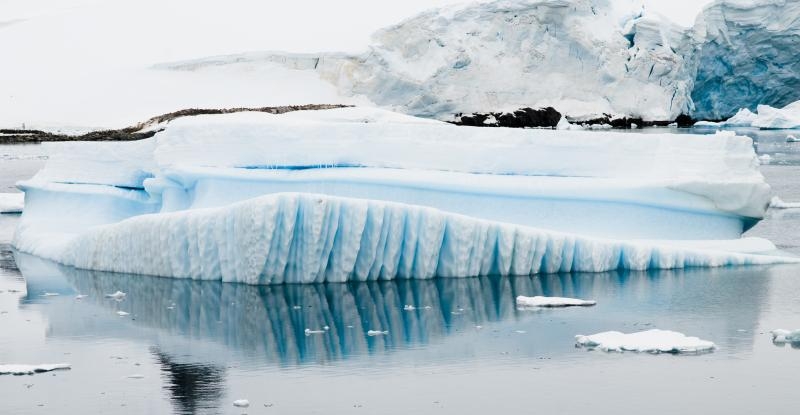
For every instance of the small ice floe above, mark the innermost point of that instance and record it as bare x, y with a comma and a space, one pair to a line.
31, 369
765, 158
783, 336
135, 376
241, 403
520, 331
12, 202
792, 139
326, 328
409, 307
80, 297
309, 332
50, 295
650, 341
777, 203
297, 307
539, 301
377, 333
122, 313
119, 295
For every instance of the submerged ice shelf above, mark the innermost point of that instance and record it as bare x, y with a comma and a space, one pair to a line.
363, 194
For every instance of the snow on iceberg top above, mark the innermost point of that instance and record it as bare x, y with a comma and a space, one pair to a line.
257, 140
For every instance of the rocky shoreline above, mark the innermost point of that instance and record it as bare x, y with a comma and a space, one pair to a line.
547, 117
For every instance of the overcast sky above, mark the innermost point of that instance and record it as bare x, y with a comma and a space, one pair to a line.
206, 27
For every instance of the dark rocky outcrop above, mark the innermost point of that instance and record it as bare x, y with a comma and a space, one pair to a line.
521, 118
9, 136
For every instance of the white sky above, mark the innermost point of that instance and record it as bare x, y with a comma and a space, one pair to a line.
311, 25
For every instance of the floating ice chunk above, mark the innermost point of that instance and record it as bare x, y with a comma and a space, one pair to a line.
651, 341
12, 202
31, 369
765, 158
778, 118
792, 139
409, 307
241, 403
377, 333
743, 118
123, 313
80, 297
119, 296
539, 301
309, 332
50, 295
781, 336
777, 203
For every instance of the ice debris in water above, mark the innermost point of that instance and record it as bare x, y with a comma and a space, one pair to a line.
539, 301
765, 158
50, 295
781, 336
309, 332
777, 203
12, 202
409, 307
31, 369
80, 296
122, 313
119, 296
792, 139
377, 333
241, 403
650, 341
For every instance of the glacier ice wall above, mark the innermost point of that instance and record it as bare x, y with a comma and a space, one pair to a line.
748, 56
306, 238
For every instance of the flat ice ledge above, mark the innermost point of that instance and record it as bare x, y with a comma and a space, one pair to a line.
307, 238
650, 341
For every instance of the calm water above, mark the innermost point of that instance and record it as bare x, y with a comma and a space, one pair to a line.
195, 347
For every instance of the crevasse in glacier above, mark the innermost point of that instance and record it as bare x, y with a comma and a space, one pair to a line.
359, 193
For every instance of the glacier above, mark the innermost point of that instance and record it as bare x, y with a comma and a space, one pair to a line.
746, 57
585, 58
362, 194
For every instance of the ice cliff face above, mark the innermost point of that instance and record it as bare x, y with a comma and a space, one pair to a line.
579, 56
748, 56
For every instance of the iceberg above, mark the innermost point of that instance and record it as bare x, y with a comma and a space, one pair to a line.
650, 341
364, 194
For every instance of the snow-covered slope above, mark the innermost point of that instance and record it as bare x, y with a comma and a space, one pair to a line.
354, 186
748, 56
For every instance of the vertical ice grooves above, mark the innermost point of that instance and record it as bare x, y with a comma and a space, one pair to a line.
304, 238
